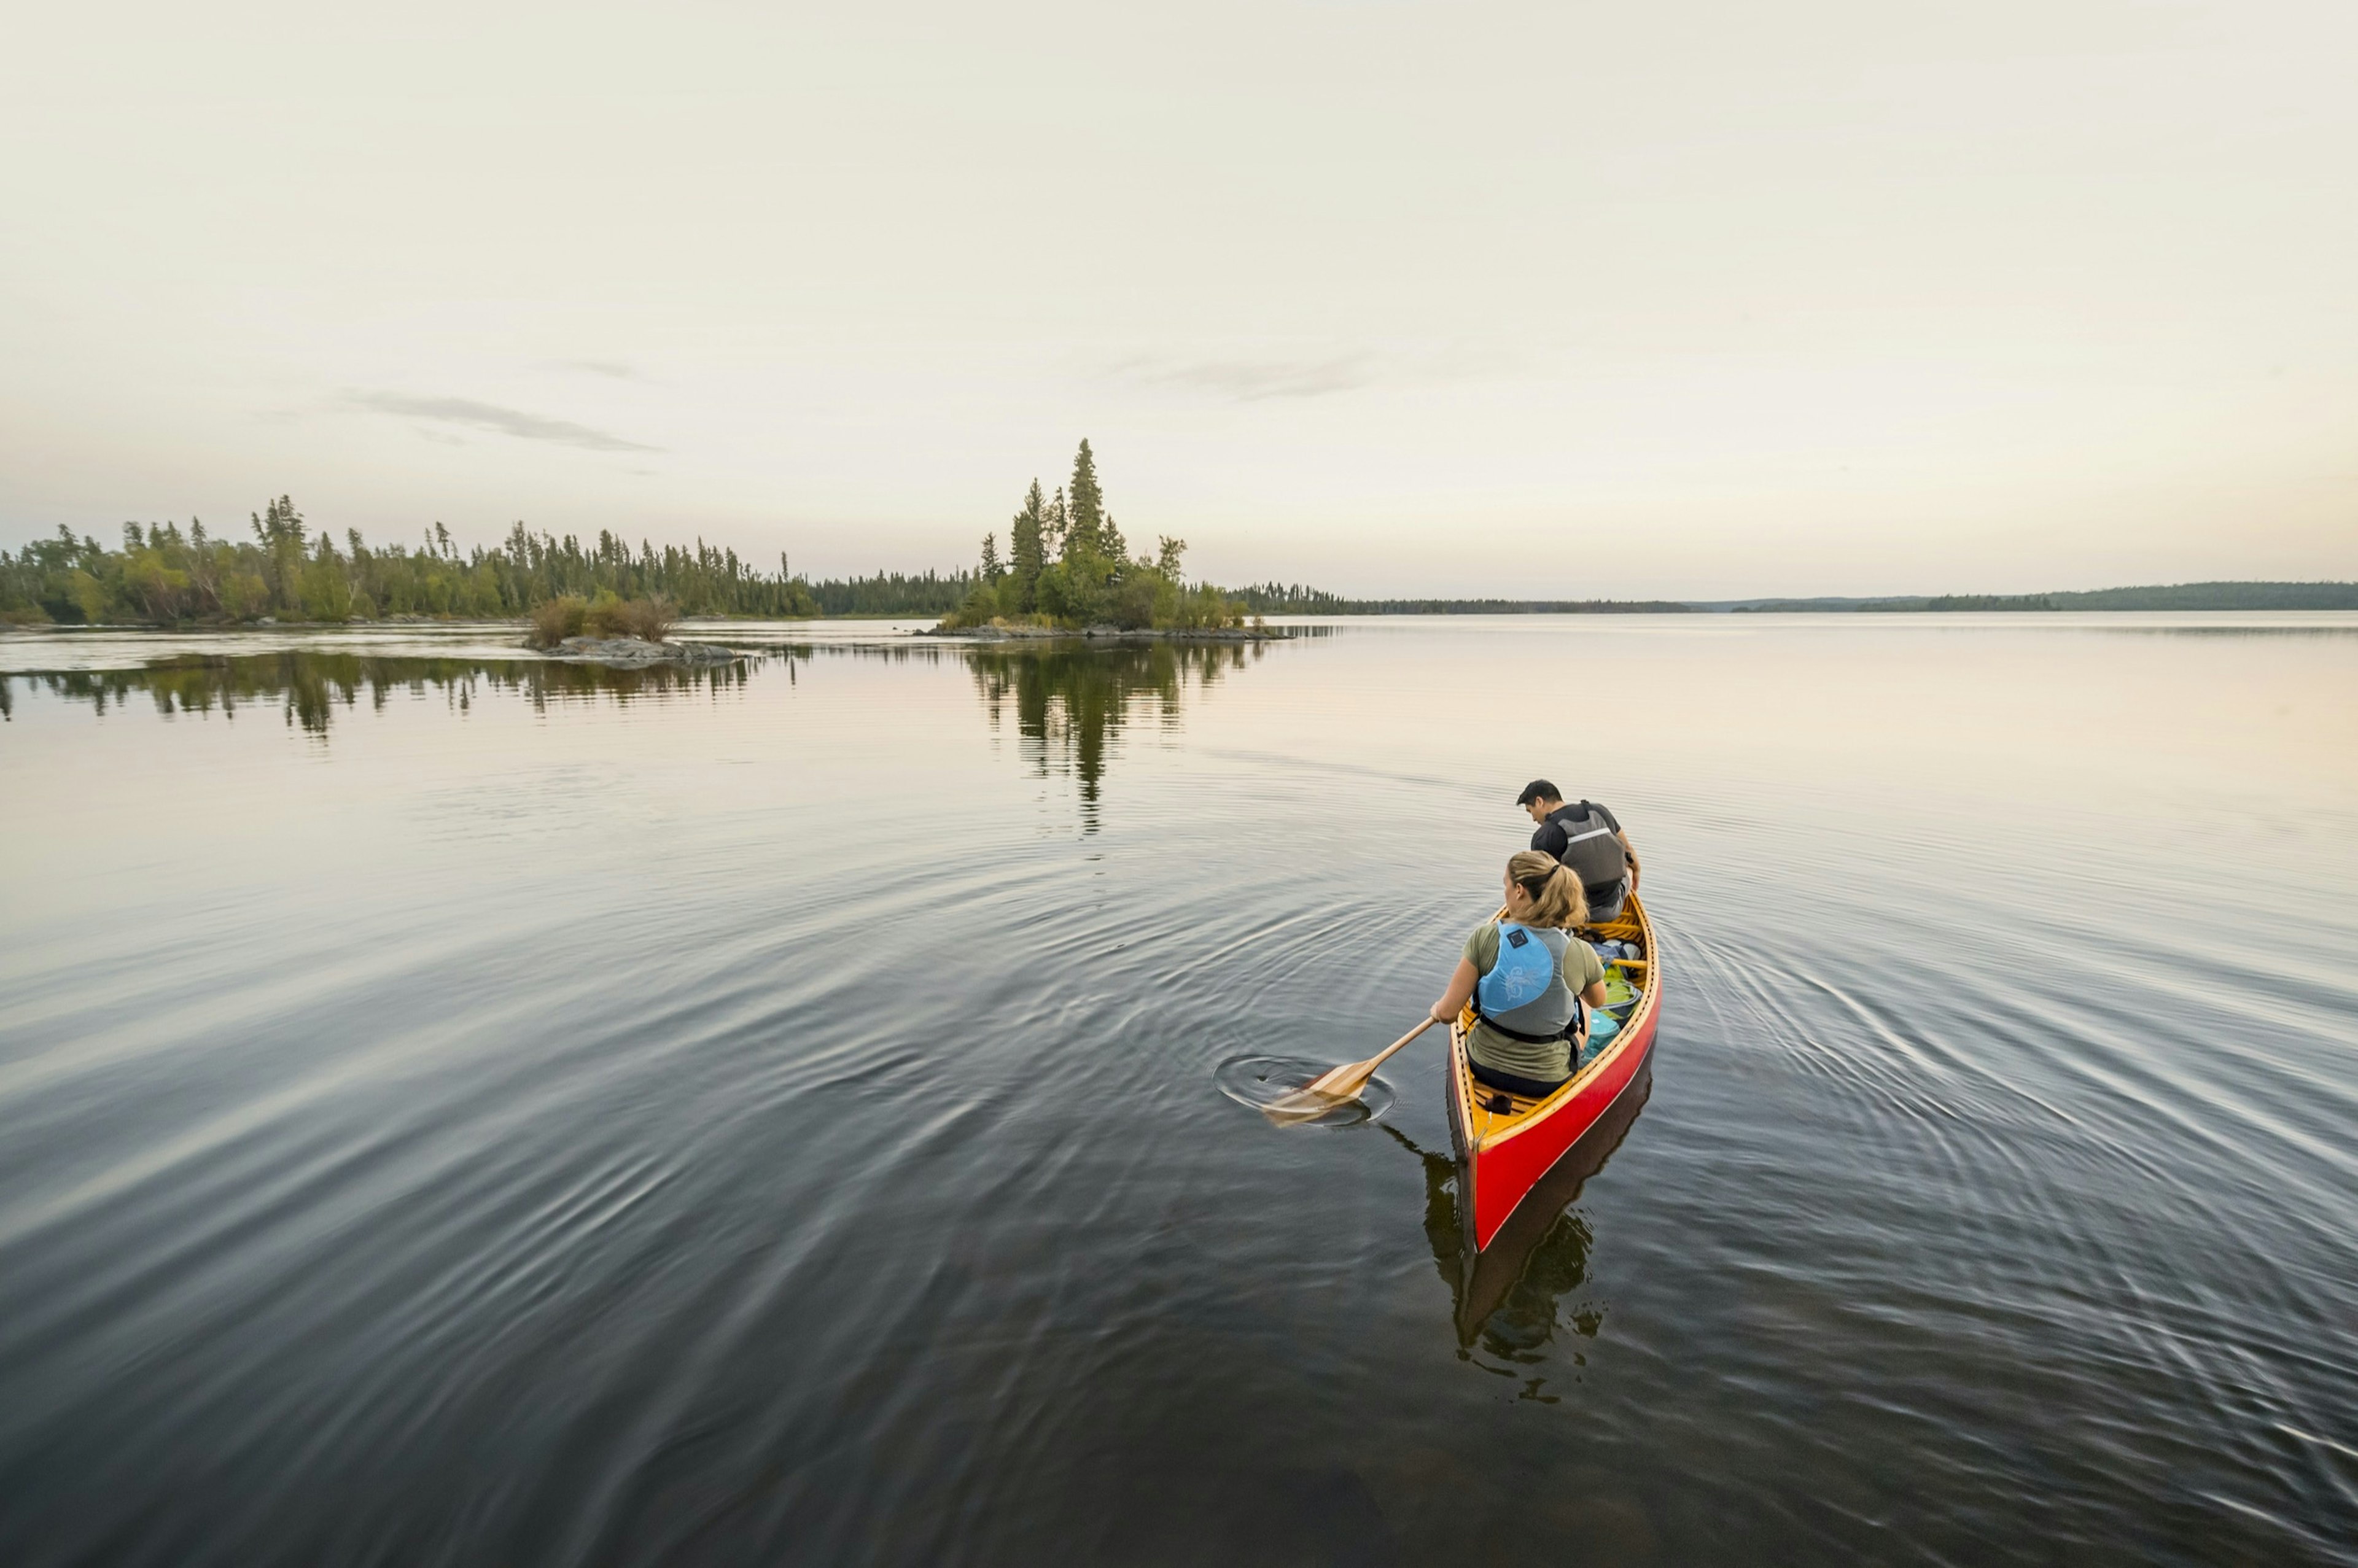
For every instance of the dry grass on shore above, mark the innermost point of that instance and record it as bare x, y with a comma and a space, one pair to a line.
650, 619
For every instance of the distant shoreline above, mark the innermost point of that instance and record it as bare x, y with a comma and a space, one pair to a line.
1107, 635
164, 575
1269, 599
2246, 597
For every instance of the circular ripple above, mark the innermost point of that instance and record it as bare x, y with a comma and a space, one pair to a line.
1261, 1082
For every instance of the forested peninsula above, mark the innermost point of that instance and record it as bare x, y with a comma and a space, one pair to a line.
166, 574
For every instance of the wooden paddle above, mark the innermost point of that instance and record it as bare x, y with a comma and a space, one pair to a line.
1332, 1087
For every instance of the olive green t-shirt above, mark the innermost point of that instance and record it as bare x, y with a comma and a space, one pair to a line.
1551, 1062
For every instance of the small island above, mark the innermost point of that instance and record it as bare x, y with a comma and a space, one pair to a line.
611, 630
1068, 572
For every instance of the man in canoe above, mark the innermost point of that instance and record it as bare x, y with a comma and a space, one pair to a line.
1527, 975
1586, 838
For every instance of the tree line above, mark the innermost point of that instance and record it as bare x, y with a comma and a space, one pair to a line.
165, 574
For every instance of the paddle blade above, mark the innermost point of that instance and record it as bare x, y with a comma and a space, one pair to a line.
1343, 1082
1302, 1106
1336, 1087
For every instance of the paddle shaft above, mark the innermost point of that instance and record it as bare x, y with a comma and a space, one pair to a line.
1378, 1060
1346, 1080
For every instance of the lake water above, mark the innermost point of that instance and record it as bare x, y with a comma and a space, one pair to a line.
455, 1108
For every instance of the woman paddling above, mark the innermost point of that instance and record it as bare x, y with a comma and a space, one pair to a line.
1527, 975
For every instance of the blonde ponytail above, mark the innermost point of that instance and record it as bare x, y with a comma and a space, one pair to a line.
1557, 897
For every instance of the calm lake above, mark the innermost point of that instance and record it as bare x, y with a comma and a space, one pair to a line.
457, 1109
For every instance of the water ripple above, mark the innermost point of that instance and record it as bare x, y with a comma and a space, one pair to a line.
770, 1121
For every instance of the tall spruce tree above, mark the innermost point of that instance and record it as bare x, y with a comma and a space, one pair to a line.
1026, 549
1055, 529
991, 570
1085, 513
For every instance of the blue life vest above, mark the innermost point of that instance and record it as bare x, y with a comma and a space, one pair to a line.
1524, 994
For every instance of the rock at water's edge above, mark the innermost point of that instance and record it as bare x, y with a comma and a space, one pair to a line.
638, 651
1106, 634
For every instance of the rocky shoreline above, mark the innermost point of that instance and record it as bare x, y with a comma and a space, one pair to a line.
635, 653
1113, 634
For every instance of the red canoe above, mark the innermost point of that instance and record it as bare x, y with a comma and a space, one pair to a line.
1506, 1143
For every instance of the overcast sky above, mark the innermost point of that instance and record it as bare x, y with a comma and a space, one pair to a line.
1684, 298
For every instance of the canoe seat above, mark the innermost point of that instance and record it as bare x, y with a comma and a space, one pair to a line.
1498, 1102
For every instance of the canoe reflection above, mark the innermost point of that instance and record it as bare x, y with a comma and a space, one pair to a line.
1507, 1296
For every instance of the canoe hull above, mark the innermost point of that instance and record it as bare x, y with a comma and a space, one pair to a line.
1503, 1157
1487, 1274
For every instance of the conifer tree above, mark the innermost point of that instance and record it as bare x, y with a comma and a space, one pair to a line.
991, 570
1085, 515
1026, 549
1057, 529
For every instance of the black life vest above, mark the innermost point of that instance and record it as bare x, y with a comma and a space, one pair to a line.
1592, 850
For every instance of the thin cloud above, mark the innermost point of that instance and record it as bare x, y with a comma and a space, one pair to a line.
1248, 378
1251, 381
469, 415
615, 370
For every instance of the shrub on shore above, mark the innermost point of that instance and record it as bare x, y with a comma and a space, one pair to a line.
609, 615
651, 620
555, 620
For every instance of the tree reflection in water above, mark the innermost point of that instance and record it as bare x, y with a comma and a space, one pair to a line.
310, 687
1071, 701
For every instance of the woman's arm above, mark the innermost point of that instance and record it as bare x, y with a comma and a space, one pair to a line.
1461, 990
1595, 995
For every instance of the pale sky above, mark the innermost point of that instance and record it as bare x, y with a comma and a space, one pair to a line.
1683, 299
